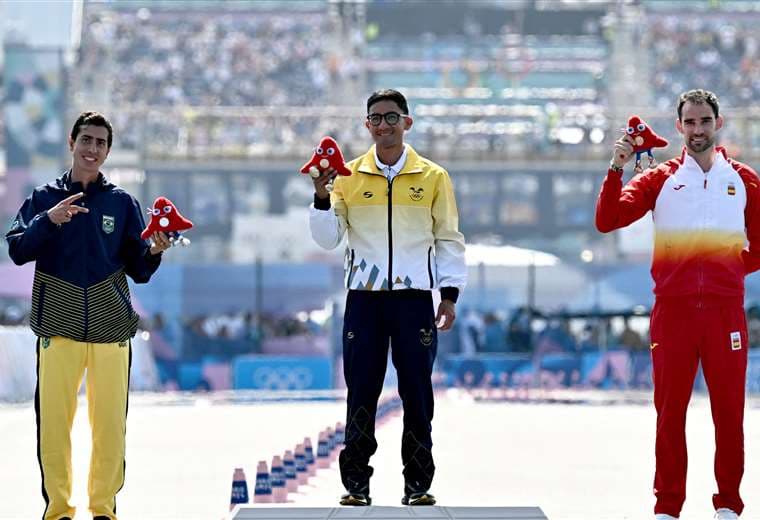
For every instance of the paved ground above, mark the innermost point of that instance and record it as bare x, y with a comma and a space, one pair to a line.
573, 461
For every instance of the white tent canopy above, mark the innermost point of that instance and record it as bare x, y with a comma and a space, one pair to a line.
507, 256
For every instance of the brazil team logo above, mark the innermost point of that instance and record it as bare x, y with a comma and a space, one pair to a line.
44, 342
108, 224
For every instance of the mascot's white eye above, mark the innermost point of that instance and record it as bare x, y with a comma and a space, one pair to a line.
320, 151
156, 211
641, 127
629, 129
331, 151
167, 209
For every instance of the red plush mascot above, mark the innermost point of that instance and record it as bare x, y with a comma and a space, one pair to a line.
165, 217
644, 139
326, 155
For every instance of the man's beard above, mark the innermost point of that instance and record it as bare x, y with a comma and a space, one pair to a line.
706, 144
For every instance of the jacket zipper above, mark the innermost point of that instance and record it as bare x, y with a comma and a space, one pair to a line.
390, 232
86, 312
87, 289
701, 261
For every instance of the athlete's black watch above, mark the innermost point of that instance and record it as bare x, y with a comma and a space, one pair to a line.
615, 168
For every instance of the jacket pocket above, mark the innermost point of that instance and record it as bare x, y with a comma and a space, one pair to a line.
123, 297
430, 268
41, 306
350, 268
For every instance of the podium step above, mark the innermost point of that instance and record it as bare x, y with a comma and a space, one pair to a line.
386, 513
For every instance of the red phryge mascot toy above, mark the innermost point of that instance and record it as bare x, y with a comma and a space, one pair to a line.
326, 155
165, 217
644, 140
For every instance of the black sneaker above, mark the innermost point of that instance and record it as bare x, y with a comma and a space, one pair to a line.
101, 517
418, 499
355, 499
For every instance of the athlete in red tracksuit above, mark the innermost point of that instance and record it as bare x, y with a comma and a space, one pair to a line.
706, 212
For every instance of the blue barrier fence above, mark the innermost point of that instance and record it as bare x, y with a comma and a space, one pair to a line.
605, 370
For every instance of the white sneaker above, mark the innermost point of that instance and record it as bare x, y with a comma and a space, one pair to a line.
663, 516
725, 514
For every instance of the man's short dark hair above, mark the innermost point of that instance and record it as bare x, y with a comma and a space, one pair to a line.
699, 96
389, 94
94, 119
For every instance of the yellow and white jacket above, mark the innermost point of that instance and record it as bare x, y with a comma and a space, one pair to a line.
402, 233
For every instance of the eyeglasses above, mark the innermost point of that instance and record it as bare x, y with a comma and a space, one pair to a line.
392, 118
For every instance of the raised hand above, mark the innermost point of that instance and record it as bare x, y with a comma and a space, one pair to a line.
320, 183
623, 151
65, 210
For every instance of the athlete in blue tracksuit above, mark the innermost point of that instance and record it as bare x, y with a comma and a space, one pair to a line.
84, 235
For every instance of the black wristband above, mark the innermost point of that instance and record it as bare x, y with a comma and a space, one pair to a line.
449, 293
320, 203
614, 168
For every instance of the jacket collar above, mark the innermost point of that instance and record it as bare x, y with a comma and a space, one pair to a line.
413, 163
721, 156
65, 182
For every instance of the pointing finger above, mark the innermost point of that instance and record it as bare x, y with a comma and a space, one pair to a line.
72, 198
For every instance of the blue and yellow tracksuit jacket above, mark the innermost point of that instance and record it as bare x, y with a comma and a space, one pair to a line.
80, 286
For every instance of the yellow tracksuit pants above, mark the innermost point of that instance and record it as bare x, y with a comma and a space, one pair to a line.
61, 363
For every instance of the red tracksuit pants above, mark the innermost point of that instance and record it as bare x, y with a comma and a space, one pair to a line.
685, 331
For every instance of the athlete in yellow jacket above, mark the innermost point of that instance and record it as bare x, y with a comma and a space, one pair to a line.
399, 212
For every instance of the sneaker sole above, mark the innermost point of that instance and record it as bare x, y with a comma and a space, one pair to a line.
424, 500
352, 501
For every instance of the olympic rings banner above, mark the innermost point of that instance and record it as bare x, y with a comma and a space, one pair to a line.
282, 372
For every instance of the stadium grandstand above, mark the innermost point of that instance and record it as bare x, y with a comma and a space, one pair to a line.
218, 104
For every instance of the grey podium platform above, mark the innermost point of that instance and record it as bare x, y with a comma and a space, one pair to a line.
387, 513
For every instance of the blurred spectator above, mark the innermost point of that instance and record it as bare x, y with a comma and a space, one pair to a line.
753, 325
164, 345
555, 338
520, 333
590, 337
495, 336
630, 339
471, 332
14, 312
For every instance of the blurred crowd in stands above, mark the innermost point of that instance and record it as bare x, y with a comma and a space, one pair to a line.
719, 52
530, 331
203, 58
501, 93
475, 332
495, 93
